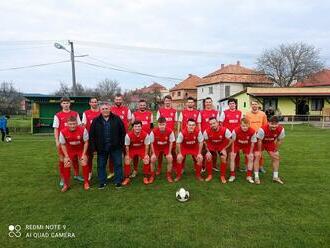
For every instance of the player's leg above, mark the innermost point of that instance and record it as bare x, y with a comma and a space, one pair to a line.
135, 166
169, 159
127, 168
209, 161
159, 164
90, 164
250, 158
85, 169
198, 162
223, 166
275, 157
173, 152
146, 168
61, 164
233, 155
75, 165
153, 159
257, 157
180, 160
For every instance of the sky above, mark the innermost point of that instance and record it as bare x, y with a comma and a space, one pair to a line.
168, 39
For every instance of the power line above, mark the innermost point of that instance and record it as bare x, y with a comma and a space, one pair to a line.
35, 65
129, 71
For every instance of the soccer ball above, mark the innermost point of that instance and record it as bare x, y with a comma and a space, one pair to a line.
182, 195
8, 139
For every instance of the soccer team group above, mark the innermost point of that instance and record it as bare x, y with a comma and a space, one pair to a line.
214, 140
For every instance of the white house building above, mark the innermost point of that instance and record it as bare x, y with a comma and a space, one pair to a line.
227, 81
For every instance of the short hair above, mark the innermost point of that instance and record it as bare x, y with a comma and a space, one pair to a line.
208, 98
65, 99
93, 97
119, 95
168, 97
142, 100
254, 100
232, 100
137, 122
190, 98
192, 120
72, 119
274, 119
245, 121
161, 119
212, 118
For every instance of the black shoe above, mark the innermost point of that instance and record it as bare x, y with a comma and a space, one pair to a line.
102, 186
118, 185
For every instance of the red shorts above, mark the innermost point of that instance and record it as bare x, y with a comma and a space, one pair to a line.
74, 154
269, 147
246, 149
185, 152
137, 153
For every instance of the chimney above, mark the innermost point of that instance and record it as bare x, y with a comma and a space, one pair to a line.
222, 66
238, 63
190, 75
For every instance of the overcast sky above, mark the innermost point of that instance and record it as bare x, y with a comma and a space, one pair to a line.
119, 34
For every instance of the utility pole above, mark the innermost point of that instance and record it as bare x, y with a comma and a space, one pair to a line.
74, 83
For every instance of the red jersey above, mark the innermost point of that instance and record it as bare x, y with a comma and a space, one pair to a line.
170, 115
137, 143
161, 140
145, 117
217, 140
60, 119
123, 112
205, 117
243, 140
88, 117
190, 141
231, 119
186, 114
269, 137
73, 140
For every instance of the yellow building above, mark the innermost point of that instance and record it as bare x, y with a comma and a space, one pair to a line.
287, 102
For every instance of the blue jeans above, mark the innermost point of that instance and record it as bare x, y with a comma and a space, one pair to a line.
102, 158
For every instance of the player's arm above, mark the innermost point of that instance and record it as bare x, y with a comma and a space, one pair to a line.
253, 142
222, 117
129, 116
199, 121
260, 136
200, 142
206, 137
179, 140
147, 144
180, 122
280, 139
84, 120
86, 141
127, 144
228, 137
62, 142
56, 125
171, 139
152, 139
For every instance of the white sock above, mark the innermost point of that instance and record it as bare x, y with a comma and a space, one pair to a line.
256, 174
275, 174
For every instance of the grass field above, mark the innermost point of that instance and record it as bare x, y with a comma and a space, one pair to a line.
296, 214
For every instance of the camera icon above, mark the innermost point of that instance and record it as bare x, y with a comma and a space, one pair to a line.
14, 231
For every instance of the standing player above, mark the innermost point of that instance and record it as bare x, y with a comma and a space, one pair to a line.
257, 119
207, 113
189, 113
171, 117
60, 122
87, 119
146, 118
270, 138
161, 142
231, 119
217, 141
190, 142
244, 138
74, 145
125, 115
137, 144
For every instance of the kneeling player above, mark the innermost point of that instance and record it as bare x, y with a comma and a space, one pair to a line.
161, 142
137, 144
216, 140
74, 144
270, 137
190, 142
244, 138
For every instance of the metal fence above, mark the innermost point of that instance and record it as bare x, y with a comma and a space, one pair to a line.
321, 121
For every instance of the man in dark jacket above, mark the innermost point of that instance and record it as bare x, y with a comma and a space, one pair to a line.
107, 138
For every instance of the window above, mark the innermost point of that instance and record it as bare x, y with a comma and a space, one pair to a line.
317, 104
227, 90
179, 93
211, 90
270, 102
173, 94
202, 89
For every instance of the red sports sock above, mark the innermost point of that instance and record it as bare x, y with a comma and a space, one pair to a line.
110, 166
223, 168
127, 170
146, 169
135, 163
232, 173
152, 173
61, 169
262, 161
168, 174
179, 167
198, 169
249, 173
66, 174
85, 170
75, 167
209, 165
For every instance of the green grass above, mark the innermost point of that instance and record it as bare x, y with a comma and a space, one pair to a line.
296, 214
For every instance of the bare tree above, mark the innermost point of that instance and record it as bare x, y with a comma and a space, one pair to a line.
288, 63
10, 98
64, 90
108, 88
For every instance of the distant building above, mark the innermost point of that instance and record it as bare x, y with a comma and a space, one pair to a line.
184, 89
318, 79
229, 80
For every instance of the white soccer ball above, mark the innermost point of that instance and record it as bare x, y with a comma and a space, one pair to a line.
8, 139
182, 195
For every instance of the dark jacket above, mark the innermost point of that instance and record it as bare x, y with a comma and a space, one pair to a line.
117, 133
